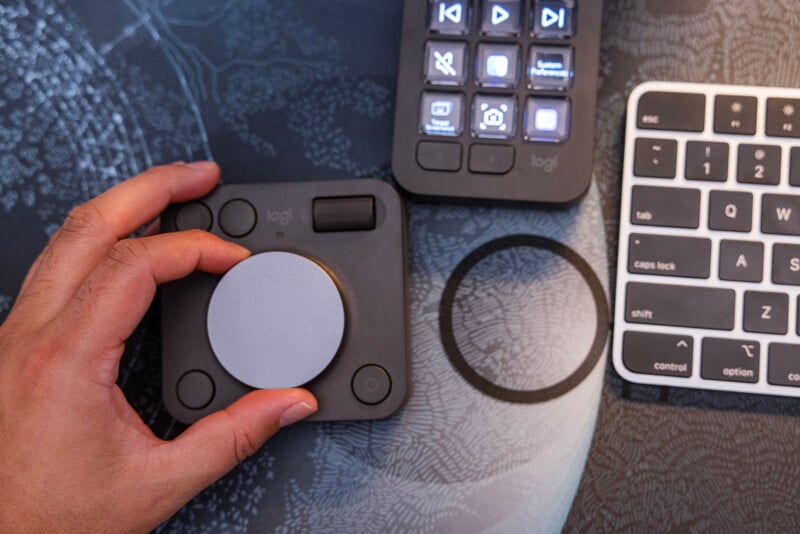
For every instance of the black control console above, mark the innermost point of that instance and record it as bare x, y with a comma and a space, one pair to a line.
320, 303
496, 99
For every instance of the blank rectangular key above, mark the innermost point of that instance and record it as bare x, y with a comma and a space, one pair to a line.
669, 255
670, 305
671, 111
665, 206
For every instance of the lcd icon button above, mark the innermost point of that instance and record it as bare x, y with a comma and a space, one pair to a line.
546, 120
552, 17
441, 108
499, 15
452, 13
497, 66
494, 117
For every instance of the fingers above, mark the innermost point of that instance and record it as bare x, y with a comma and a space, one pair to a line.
115, 296
215, 444
92, 229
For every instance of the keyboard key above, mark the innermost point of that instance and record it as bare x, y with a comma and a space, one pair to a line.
783, 364
655, 158
491, 159
669, 255
547, 119
672, 305
683, 112
497, 65
741, 261
735, 114
550, 67
657, 354
436, 156
786, 264
494, 117
441, 114
706, 161
767, 313
783, 117
731, 211
780, 214
445, 62
759, 164
553, 18
449, 16
665, 206
730, 359
501, 17
794, 166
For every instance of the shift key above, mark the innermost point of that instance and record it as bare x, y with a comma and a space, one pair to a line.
665, 206
672, 305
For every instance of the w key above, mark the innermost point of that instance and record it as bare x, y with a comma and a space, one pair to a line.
780, 214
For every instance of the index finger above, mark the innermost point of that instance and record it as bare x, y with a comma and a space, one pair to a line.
92, 229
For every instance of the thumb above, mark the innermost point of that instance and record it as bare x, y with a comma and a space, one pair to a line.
216, 443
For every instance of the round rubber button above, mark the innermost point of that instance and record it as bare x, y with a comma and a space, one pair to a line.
195, 389
193, 215
275, 320
237, 218
371, 384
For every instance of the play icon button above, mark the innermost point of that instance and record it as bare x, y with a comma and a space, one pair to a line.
500, 17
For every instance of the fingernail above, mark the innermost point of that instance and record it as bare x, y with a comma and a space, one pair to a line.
201, 165
240, 250
296, 412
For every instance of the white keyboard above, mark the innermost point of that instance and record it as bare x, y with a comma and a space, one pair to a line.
708, 272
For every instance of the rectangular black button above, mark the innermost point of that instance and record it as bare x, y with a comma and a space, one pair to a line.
741, 260
435, 156
794, 166
669, 255
657, 354
783, 365
684, 112
780, 214
730, 210
655, 158
491, 159
344, 214
783, 117
735, 114
706, 161
786, 264
665, 206
669, 305
759, 164
734, 360
767, 313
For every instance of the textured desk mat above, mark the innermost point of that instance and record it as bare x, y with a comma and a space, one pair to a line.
93, 92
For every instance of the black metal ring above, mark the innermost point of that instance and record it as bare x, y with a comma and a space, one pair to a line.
477, 380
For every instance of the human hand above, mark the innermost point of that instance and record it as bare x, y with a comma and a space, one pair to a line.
74, 455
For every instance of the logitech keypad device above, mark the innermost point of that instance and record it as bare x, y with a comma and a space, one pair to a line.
319, 304
496, 99
708, 273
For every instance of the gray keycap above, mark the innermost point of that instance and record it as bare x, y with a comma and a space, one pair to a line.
733, 360
655, 158
759, 164
780, 214
786, 264
767, 313
783, 365
669, 255
671, 305
742, 261
657, 354
665, 206
707, 161
731, 211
